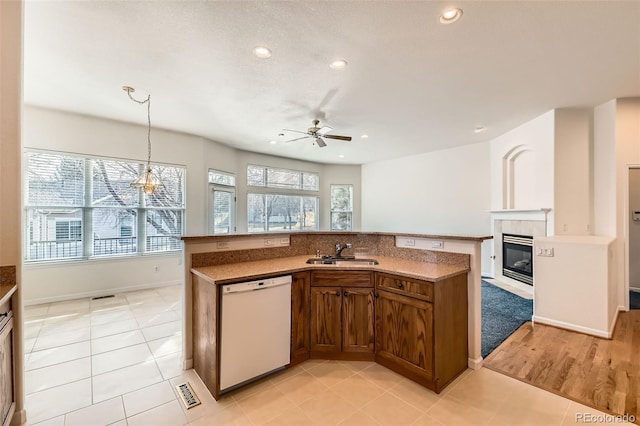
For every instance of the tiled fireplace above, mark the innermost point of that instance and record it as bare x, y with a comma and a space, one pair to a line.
513, 234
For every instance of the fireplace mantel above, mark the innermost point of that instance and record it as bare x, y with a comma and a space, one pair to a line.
520, 214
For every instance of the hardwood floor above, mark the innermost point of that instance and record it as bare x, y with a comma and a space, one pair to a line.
601, 373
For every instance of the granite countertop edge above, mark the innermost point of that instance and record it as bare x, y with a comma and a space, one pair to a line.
224, 274
201, 238
6, 291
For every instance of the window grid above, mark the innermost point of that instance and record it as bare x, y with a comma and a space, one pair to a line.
89, 200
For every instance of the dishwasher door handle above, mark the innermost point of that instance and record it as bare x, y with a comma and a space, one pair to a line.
255, 285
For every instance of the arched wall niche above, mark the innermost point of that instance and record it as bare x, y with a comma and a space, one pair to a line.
518, 178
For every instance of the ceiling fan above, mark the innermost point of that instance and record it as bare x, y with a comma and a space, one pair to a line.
318, 133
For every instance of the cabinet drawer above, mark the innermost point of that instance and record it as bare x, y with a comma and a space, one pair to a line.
341, 278
414, 288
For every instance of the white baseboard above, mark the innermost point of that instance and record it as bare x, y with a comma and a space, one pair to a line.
187, 364
101, 292
19, 418
475, 364
573, 327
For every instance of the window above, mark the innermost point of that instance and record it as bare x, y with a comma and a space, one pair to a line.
221, 178
78, 207
341, 207
278, 212
279, 202
222, 202
282, 178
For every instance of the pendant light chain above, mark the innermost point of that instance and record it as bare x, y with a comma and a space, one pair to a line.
148, 102
147, 181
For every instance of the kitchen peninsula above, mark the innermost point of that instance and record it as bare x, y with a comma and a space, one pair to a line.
348, 310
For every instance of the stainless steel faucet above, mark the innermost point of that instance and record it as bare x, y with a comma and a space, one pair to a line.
339, 248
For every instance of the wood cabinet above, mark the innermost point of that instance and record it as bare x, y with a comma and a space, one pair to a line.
421, 328
299, 317
7, 396
342, 315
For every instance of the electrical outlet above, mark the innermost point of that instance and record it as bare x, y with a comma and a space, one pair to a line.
437, 244
269, 241
223, 244
156, 268
410, 242
284, 240
545, 251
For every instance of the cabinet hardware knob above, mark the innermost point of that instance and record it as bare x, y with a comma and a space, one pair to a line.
337, 293
400, 285
375, 295
346, 294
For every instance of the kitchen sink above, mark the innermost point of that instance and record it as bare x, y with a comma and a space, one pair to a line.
341, 261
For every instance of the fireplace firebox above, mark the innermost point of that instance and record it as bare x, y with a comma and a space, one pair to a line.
517, 257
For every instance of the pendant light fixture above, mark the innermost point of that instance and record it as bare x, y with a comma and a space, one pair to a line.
148, 181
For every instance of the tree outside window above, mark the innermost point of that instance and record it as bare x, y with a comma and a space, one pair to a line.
341, 207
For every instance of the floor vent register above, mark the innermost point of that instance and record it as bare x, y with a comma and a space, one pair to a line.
189, 397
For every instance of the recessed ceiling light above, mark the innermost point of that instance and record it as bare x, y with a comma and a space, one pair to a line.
364, 136
273, 142
450, 16
338, 64
341, 155
262, 52
479, 129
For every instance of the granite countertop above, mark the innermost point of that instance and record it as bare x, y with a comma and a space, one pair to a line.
6, 291
221, 274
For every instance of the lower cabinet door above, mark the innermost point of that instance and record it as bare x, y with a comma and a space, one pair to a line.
358, 320
404, 334
325, 319
6, 372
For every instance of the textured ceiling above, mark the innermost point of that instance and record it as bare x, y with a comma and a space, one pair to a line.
412, 84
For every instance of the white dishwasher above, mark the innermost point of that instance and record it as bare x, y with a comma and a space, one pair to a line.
255, 334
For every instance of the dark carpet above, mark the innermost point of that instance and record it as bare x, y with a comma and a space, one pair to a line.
502, 314
634, 300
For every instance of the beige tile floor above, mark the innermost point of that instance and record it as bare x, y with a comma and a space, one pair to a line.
116, 362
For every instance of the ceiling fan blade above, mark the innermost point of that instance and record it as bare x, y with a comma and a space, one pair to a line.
324, 129
295, 131
297, 139
342, 138
320, 142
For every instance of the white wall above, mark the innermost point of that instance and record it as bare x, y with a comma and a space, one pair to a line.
573, 287
11, 31
441, 192
604, 169
572, 202
10, 101
72, 133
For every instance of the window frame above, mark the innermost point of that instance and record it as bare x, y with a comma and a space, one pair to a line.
348, 212
214, 187
89, 209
